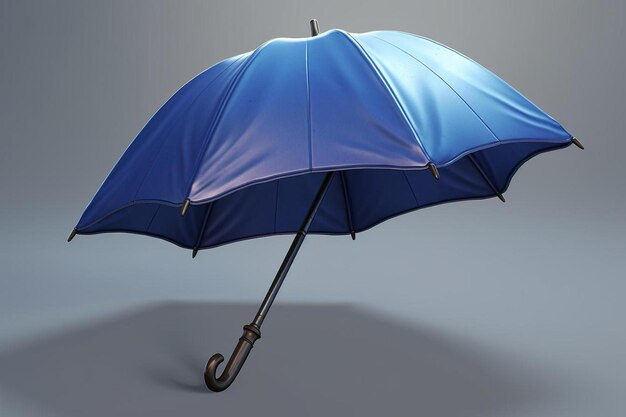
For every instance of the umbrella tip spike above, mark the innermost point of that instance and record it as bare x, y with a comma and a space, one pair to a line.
72, 234
576, 142
501, 197
353, 234
433, 170
315, 27
194, 253
185, 207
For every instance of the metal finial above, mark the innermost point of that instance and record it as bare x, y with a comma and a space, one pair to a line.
501, 197
433, 170
353, 234
185, 207
71, 236
315, 27
577, 143
194, 253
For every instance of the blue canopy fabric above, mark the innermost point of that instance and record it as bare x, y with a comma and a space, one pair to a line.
247, 141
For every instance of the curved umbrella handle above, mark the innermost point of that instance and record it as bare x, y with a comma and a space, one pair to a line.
251, 333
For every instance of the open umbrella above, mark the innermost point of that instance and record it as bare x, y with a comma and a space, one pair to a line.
331, 134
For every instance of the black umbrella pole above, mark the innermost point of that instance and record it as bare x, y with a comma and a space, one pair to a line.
252, 331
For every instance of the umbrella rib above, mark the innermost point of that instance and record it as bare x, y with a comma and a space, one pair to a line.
406, 177
347, 201
485, 177
382, 80
276, 203
205, 222
152, 218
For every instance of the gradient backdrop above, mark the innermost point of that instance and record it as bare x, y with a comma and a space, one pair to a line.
535, 285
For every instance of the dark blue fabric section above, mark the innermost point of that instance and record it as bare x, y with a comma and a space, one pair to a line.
497, 160
158, 163
280, 206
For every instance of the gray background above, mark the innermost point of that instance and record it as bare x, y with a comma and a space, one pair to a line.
472, 308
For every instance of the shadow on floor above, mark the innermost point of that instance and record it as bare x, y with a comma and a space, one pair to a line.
312, 360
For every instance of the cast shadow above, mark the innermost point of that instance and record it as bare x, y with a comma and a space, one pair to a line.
312, 360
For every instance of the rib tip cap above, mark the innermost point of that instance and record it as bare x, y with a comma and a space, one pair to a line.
72, 234
576, 142
315, 27
185, 207
433, 170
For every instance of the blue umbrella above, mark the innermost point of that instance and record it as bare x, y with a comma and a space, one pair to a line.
330, 134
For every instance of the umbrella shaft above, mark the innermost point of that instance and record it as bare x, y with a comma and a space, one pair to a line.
292, 252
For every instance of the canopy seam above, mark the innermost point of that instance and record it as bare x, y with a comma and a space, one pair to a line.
162, 144
224, 103
308, 99
487, 70
380, 77
446, 83
276, 203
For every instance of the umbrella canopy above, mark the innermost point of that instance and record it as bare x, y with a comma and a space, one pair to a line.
242, 148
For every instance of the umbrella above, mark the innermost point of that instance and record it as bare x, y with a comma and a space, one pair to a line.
330, 134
